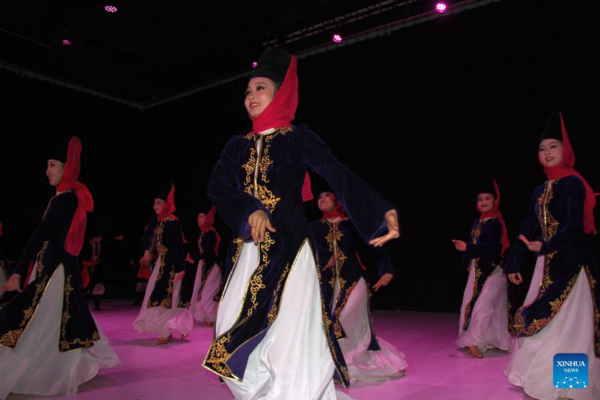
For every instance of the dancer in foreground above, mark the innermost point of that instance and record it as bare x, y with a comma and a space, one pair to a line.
161, 310
483, 314
49, 341
274, 336
368, 357
561, 313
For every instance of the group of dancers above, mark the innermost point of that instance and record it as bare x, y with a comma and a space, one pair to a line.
291, 301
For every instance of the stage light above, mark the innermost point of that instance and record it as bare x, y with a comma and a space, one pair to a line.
441, 7
337, 38
66, 42
111, 9
254, 64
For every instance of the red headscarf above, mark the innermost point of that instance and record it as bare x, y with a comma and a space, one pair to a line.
169, 207
208, 226
337, 210
69, 181
495, 213
566, 168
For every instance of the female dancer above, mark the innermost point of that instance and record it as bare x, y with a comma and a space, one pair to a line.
161, 310
367, 356
48, 322
561, 313
483, 320
274, 337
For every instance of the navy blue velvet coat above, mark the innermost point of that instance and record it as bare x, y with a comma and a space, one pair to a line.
275, 175
165, 240
77, 328
6, 268
208, 240
484, 249
342, 239
556, 219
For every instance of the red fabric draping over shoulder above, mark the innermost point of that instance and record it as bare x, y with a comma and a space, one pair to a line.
337, 211
566, 168
69, 181
495, 213
169, 207
208, 226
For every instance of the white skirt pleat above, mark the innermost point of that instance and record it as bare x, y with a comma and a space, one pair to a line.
570, 331
489, 318
205, 310
163, 320
364, 364
293, 360
36, 366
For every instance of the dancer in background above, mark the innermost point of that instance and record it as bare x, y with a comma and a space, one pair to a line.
6, 270
483, 314
49, 341
93, 270
161, 310
561, 313
274, 337
368, 357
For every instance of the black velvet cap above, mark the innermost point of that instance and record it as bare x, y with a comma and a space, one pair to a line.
553, 128
163, 191
60, 150
273, 64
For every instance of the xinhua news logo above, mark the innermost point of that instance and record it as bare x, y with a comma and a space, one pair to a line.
571, 371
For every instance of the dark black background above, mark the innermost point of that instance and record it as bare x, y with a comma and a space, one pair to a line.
420, 114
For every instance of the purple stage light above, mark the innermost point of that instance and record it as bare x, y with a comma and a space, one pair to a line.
337, 38
66, 42
254, 64
111, 9
441, 7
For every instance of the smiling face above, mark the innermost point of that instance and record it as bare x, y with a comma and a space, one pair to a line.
550, 153
259, 94
201, 219
54, 172
485, 202
327, 201
159, 204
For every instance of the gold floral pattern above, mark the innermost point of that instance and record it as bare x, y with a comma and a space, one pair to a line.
64, 344
216, 358
274, 309
548, 223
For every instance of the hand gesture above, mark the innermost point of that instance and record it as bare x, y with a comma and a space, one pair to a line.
146, 258
14, 283
383, 281
259, 222
189, 259
532, 246
460, 245
391, 217
178, 277
330, 263
517, 279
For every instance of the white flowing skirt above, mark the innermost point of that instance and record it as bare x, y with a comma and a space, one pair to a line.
570, 331
292, 361
36, 366
163, 320
205, 310
364, 364
489, 318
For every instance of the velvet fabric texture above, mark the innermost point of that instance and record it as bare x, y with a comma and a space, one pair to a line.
209, 241
165, 240
78, 329
485, 248
282, 166
555, 218
342, 238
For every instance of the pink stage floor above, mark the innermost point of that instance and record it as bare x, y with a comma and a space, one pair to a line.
436, 368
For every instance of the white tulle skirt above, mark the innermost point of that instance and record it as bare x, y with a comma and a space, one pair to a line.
364, 364
205, 310
489, 318
36, 366
570, 331
163, 321
292, 361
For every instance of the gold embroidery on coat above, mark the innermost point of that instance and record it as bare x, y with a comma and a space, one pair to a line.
548, 223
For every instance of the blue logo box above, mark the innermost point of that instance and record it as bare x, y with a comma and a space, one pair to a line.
571, 371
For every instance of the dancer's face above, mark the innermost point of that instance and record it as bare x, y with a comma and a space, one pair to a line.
159, 204
259, 94
201, 219
327, 201
485, 202
550, 153
54, 172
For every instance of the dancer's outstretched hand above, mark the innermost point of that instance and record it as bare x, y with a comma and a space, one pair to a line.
517, 279
383, 281
145, 260
14, 283
259, 222
330, 263
391, 217
460, 245
535, 246
178, 277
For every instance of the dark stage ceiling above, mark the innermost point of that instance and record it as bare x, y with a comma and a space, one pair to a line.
149, 52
